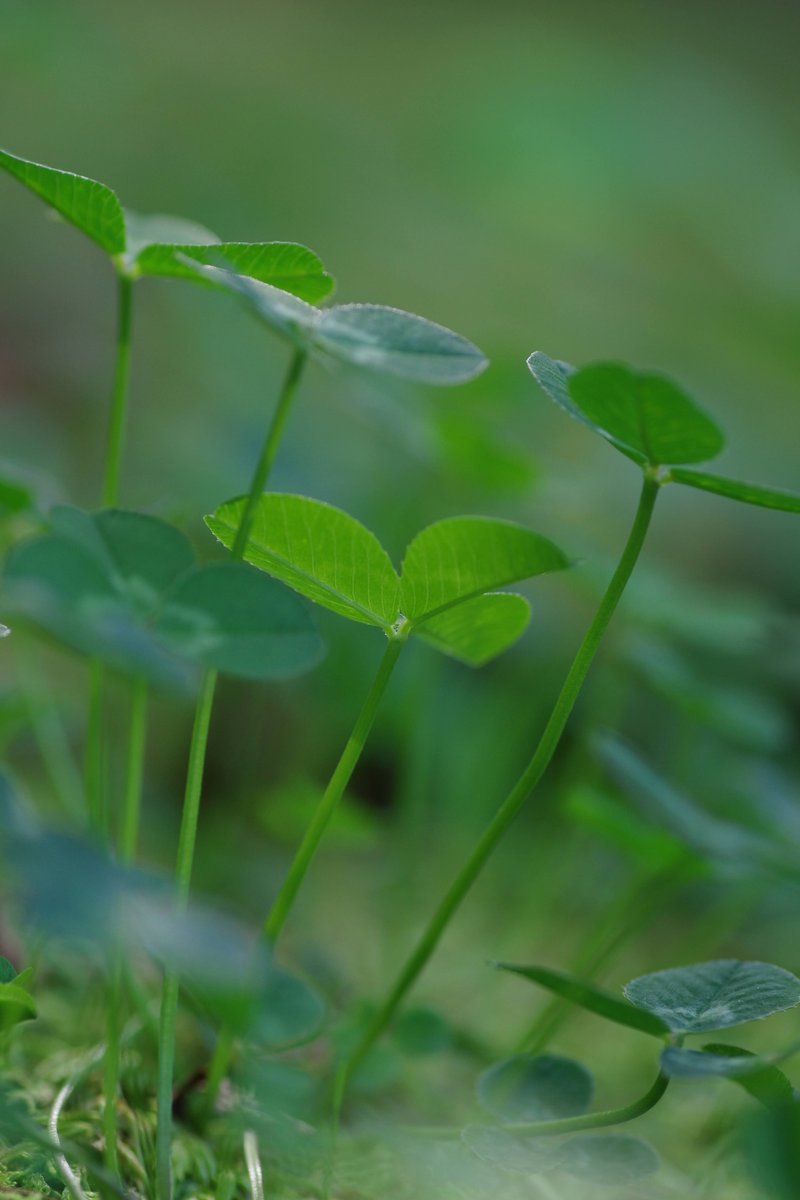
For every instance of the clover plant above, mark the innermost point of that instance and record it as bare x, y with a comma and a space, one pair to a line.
127, 593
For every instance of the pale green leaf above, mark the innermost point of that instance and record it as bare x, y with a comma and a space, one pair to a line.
609, 1158
643, 414
462, 557
160, 230
508, 1151
592, 998
15, 1005
738, 489
714, 995
319, 551
397, 343
90, 206
535, 1088
477, 630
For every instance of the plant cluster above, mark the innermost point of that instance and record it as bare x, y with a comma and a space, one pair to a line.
125, 591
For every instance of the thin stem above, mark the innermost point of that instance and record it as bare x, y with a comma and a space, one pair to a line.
525, 784
183, 875
134, 771
333, 792
194, 787
132, 800
119, 394
93, 764
269, 450
51, 735
599, 1120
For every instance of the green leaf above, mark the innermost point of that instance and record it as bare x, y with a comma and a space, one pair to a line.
162, 231
90, 206
288, 1011
287, 266
123, 586
609, 1158
461, 557
756, 1074
592, 998
397, 343
714, 995
231, 618
421, 1032
644, 415
477, 630
535, 1088
513, 1152
319, 551
15, 1005
737, 489
8, 971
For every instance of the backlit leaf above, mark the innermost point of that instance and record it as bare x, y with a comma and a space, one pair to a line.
477, 630
283, 265
319, 551
15, 1005
714, 995
462, 557
90, 206
592, 998
737, 489
535, 1088
643, 414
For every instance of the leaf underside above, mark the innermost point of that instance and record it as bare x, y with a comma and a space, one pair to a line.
477, 630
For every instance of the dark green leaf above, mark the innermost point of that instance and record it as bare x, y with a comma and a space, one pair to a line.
89, 205
319, 551
513, 1152
477, 630
462, 557
609, 1158
714, 995
8, 971
737, 489
422, 1031
234, 619
644, 415
535, 1088
587, 996
397, 343
758, 1075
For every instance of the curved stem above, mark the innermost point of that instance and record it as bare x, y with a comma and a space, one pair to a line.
333, 792
610, 1116
269, 450
526, 782
119, 394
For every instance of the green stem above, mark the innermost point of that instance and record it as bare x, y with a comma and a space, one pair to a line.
93, 765
194, 787
598, 1120
183, 875
269, 450
119, 394
333, 792
111, 1060
132, 799
51, 735
610, 1116
525, 784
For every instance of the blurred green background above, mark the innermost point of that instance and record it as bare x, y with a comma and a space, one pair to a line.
596, 181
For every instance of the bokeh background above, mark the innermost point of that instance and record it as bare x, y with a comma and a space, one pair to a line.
597, 181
